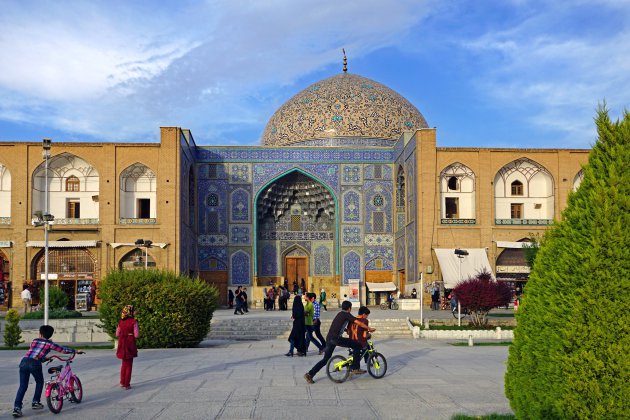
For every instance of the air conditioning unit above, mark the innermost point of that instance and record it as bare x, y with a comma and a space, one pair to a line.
537, 205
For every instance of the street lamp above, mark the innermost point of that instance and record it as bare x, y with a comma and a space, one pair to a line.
45, 219
461, 253
146, 244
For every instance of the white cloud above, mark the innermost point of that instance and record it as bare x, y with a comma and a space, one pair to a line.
117, 72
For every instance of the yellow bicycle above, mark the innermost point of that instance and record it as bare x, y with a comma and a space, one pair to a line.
338, 367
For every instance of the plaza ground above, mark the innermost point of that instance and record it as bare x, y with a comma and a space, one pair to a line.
242, 380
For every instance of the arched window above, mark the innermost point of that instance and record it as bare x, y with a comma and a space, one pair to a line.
457, 190
73, 183
517, 188
212, 200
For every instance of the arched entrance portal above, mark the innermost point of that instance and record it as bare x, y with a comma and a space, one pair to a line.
74, 269
296, 233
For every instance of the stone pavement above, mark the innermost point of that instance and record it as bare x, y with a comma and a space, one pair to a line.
243, 380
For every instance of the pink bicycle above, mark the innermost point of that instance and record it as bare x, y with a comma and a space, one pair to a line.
63, 384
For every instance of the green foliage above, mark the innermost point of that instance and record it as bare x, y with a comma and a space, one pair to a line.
531, 248
570, 358
12, 330
53, 314
172, 311
57, 298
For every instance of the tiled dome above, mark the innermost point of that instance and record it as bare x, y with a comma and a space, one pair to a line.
342, 106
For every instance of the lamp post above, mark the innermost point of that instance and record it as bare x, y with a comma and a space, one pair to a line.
45, 219
461, 253
146, 244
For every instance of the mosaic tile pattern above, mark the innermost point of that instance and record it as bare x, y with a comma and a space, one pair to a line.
211, 170
410, 235
349, 142
219, 254
239, 206
351, 207
327, 174
239, 235
342, 105
351, 266
240, 268
296, 155
322, 260
376, 239
351, 174
240, 173
269, 261
384, 254
400, 253
382, 223
212, 240
351, 235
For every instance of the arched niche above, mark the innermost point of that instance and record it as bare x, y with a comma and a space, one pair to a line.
138, 194
457, 194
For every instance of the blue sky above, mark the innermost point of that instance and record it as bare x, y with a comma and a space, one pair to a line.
504, 73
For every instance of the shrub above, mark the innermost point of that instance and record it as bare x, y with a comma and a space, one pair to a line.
12, 331
172, 311
480, 294
53, 314
57, 298
569, 358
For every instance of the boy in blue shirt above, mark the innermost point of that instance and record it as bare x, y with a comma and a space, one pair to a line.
31, 364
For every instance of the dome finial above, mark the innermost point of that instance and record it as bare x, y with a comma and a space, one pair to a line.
345, 61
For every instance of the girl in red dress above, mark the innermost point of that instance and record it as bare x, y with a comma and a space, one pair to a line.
127, 332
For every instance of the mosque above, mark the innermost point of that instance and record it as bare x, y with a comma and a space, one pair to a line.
348, 191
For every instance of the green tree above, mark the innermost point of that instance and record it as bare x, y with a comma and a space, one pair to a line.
569, 358
12, 330
172, 310
531, 248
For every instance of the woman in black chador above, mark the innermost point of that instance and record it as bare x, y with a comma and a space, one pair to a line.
296, 338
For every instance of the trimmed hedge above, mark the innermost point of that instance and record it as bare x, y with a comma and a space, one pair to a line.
569, 358
172, 310
53, 314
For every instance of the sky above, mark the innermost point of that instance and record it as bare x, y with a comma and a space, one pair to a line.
491, 73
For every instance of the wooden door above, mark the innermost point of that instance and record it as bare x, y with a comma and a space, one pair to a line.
296, 268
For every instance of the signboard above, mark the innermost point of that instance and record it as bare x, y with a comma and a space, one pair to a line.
353, 290
51, 276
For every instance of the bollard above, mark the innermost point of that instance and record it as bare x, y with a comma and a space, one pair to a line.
498, 332
470, 341
426, 324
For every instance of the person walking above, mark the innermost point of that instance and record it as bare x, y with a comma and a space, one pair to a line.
238, 301
230, 298
26, 298
244, 296
127, 332
296, 338
309, 316
334, 339
317, 322
295, 286
322, 299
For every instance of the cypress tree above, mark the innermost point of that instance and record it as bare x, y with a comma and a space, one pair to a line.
569, 358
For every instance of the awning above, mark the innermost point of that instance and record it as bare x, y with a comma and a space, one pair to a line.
62, 244
381, 287
119, 244
506, 244
455, 269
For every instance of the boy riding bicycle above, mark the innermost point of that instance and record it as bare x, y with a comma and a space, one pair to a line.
334, 339
360, 333
31, 364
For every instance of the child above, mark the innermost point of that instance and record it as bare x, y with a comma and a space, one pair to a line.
127, 332
360, 333
31, 364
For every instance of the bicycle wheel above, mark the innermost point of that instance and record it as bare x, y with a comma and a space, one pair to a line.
54, 399
377, 365
338, 369
76, 390
383, 305
462, 313
395, 306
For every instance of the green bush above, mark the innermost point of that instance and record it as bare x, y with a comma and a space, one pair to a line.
53, 314
569, 358
172, 311
57, 298
12, 330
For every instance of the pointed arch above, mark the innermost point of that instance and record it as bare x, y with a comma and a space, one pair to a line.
457, 194
577, 180
138, 193
136, 259
240, 268
351, 266
335, 209
5, 195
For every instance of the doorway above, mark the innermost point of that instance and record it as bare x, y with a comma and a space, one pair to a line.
401, 282
296, 269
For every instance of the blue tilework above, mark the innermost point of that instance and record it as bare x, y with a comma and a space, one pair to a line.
269, 261
351, 235
322, 260
297, 154
239, 206
351, 266
411, 253
351, 207
240, 268
400, 253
